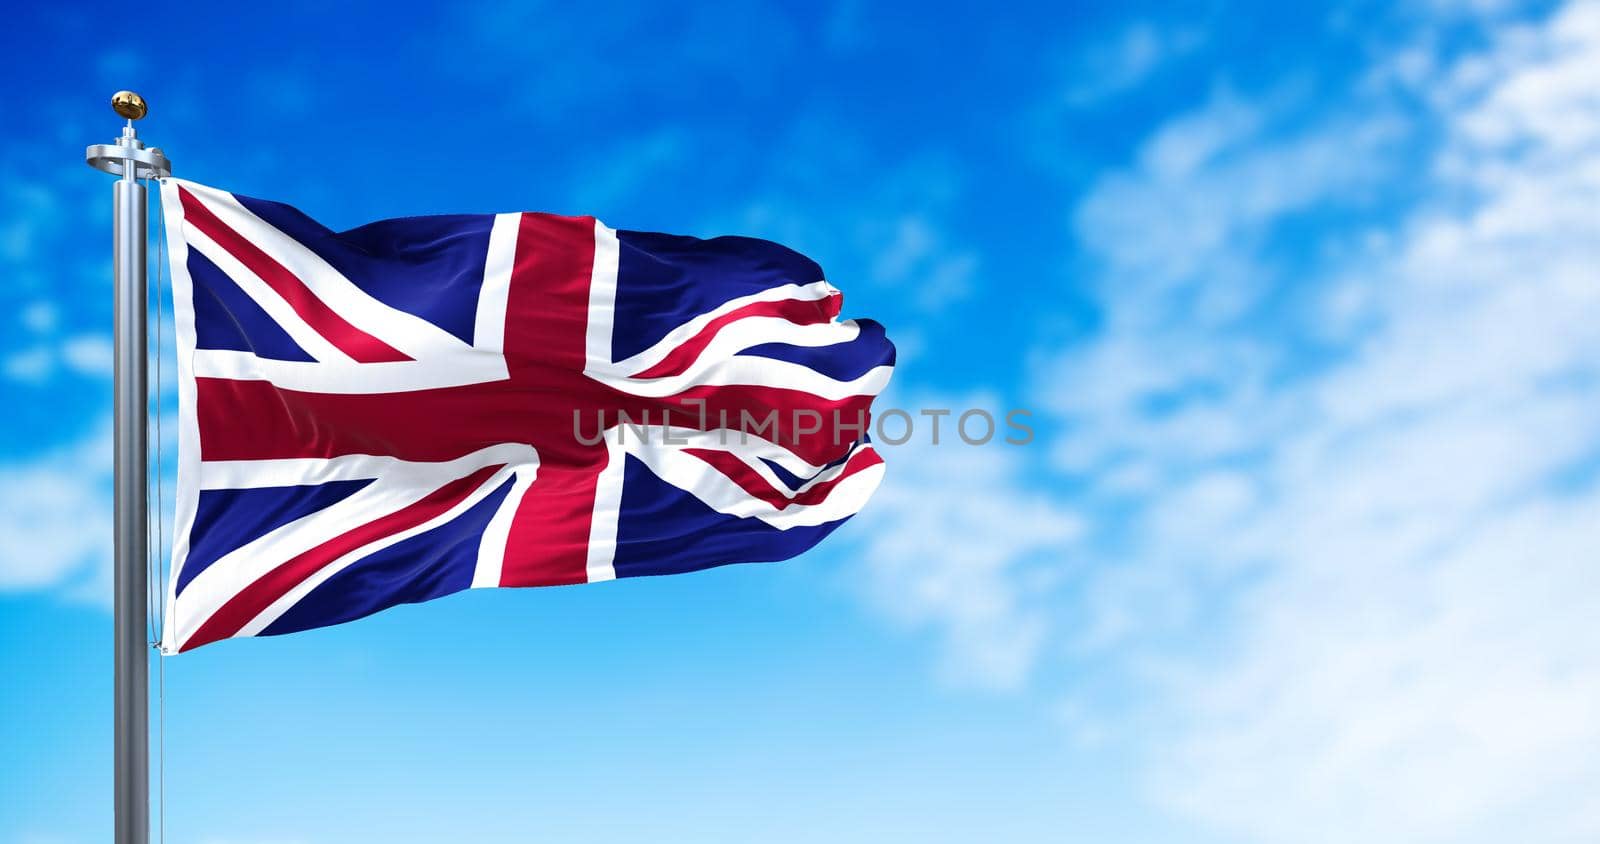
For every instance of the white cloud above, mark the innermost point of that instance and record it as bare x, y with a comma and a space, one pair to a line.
40, 317
31, 365
1195, 205
33, 212
958, 546
55, 517
1371, 508
89, 354
915, 254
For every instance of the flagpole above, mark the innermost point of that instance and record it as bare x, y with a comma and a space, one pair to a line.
131, 161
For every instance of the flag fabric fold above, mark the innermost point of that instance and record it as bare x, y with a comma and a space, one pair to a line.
422, 405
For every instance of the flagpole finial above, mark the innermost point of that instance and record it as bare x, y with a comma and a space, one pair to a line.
129, 105
128, 157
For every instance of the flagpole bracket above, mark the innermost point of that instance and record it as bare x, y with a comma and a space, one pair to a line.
128, 151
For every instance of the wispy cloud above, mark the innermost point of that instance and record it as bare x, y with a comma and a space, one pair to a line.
1123, 61
533, 51
1369, 509
962, 547
896, 228
55, 515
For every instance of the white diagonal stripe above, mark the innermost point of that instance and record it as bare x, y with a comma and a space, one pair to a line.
411, 335
751, 371
277, 608
262, 294
400, 485
719, 492
683, 333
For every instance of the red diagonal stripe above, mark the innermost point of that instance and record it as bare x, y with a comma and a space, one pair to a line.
349, 339
250, 601
798, 311
752, 482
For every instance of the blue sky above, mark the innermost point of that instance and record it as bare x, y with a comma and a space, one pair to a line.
1303, 300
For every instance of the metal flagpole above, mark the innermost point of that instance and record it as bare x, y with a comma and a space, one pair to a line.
129, 159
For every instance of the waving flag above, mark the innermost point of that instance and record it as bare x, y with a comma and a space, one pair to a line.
422, 405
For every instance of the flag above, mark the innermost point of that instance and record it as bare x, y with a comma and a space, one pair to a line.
422, 405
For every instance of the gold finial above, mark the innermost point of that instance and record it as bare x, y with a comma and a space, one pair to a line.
128, 104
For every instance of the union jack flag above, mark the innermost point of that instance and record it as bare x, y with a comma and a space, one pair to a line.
421, 405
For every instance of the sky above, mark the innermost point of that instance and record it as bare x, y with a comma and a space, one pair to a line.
1302, 300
